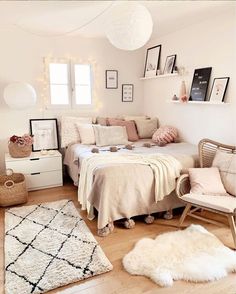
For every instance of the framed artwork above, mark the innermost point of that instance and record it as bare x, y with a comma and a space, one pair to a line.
111, 79
127, 92
170, 64
45, 132
218, 89
152, 62
200, 83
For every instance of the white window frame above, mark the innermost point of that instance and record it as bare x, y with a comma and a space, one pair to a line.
71, 86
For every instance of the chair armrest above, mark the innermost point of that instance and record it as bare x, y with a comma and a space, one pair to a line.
182, 185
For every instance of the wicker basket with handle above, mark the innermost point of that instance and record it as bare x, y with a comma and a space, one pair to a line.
13, 189
18, 151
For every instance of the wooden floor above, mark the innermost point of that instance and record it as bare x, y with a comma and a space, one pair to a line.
115, 246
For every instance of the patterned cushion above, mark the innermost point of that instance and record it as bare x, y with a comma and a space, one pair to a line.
130, 127
165, 135
226, 162
69, 131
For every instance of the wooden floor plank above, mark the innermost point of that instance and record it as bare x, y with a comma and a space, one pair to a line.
116, 245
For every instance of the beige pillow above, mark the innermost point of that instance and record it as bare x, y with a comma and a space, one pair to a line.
107, 136
226, 163
101, 121
69, 130
86, 133
146, 127
135, 117
206, 181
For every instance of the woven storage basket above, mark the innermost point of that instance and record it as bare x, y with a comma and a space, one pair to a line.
13, 189
17, 151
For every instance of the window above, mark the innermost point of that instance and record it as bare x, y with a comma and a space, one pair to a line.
70, 84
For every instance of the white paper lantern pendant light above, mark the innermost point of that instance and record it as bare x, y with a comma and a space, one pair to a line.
19, 95
130, 27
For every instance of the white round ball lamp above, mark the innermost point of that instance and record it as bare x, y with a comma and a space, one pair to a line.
130, 27
19, 95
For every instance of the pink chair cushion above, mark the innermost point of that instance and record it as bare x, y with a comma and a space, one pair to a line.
130, 127
165, 135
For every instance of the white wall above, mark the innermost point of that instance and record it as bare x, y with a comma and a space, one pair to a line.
210, 43
21, 59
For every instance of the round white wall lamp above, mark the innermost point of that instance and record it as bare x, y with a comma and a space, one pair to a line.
130, 26
19, 95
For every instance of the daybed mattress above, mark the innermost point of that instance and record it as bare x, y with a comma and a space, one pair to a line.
185, 152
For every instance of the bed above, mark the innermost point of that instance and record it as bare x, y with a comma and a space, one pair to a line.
132, 190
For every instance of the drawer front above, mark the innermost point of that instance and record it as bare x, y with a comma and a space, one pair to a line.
35, 165
44, 180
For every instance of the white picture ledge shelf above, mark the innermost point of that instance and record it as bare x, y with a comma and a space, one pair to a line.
199, 102
160, 76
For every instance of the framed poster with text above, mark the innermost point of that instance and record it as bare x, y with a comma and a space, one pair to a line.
200, 83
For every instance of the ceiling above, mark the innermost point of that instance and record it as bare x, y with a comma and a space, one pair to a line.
90, 18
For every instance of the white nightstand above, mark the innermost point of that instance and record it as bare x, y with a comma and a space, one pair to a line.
41, 171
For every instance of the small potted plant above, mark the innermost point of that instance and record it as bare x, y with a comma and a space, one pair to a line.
20, 146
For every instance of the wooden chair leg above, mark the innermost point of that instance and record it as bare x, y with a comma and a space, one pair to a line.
184, 214
232, 227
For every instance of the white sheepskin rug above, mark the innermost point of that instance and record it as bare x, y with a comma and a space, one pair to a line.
48, 246
193, 255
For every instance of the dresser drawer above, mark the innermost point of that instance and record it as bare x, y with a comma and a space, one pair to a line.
34, 165
44, 180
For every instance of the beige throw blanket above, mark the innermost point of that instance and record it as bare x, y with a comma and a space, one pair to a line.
165, 169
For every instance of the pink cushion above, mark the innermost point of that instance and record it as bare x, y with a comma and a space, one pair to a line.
206, 181
165, 135
130, 127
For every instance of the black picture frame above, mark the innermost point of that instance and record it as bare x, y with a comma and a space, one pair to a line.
45, 133
127, 92
152, 62
218, 91
200, 84
111, 77
169, 64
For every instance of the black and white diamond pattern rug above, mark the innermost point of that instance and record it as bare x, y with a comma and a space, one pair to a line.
48, 246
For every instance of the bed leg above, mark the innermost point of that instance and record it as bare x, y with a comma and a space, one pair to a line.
168, 214
149, 219
106, 230
129, 223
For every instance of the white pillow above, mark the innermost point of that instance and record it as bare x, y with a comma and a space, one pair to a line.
146, 127
69, 130
86, 133
107, 136
226, 163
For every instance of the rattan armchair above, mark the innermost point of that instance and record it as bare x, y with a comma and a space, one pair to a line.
207, 149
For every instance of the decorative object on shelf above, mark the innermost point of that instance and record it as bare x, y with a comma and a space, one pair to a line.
183, 93
169, 65
45, 132
12, 189
175, 71
127, 92
175, 98
152, 61
219, 88
20, 146
19, 95
200, 83
111, 79
130, 26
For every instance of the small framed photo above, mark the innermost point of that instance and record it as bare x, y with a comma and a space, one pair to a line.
152, 61
127, 92
170, 64
111, 79
45, 132
218, 89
